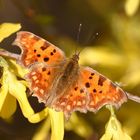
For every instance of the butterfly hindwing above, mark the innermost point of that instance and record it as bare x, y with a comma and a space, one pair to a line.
75, 99
41, 78
35, 49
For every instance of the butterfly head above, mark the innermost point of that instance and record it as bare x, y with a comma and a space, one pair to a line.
75, 57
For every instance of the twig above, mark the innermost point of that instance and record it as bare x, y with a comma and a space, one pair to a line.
9, 54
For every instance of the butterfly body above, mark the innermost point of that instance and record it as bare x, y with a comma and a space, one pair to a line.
60, 82
67, 75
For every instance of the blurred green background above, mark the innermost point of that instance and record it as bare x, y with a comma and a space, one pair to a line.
110, 43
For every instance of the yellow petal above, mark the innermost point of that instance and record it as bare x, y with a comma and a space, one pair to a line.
6, 29
37, 117
3, 89
131, 6
17, 69
18, 90
43, 131
114, 130
9, 107
7, 101
57, 124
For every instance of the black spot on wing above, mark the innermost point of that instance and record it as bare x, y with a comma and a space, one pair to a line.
75, 88
81, 91
51, 53
100, 91
48, 73
87, 85
92, 74
38, 55
45, 46
46, 59
94, 90
54, 50
90, 77
101, 80
43, 69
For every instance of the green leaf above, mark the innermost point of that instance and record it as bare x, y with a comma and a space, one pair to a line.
6, 29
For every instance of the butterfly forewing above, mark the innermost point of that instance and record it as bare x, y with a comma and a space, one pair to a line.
101, 90
35, 49
43, 60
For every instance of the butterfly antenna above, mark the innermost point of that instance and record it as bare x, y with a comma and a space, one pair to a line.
79, 31
133, 97
78, 37
93, 36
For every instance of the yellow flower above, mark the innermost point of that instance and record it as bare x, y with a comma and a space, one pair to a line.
13, 90
6, 29
114, 130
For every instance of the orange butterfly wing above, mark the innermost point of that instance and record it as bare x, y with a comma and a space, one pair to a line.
43, 60
91, 92
41, 78
101, 90
75, 99
35, 49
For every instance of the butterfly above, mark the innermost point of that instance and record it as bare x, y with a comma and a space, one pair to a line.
60, 82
